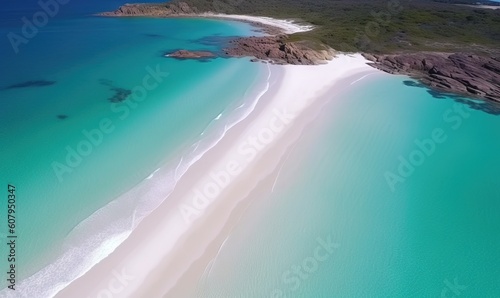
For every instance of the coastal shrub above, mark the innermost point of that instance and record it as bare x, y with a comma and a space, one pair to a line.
427, 25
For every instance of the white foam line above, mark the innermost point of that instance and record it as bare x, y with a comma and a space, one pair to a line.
177, 168
281, 167
207, 270
133, 220
354, 82
197, 145
214, 259
217, 254
152, 174
33, 283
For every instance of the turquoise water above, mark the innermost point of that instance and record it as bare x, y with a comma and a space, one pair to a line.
435, 235
84, 63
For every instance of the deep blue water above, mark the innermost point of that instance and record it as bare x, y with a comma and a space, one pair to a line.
71, 8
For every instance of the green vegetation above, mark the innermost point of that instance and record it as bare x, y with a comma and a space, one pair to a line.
379, 26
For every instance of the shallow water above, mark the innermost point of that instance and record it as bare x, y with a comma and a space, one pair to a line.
90, 108
334, 227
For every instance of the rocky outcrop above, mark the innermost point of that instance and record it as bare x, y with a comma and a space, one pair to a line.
274, 49
278, 50
154, 10
185, 54
460, 73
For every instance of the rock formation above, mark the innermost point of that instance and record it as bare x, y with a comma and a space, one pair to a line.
278, 50
273, 48
185, 54
460, 73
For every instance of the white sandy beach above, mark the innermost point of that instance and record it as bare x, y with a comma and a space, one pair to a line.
170, 250
481, 6
287, 26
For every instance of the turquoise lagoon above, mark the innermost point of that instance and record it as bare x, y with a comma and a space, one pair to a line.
332, 226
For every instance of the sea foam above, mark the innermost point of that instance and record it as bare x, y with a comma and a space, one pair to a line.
100, 234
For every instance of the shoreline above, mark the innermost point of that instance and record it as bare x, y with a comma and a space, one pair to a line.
480, 6
262, 178
458, 73
275, 46
269, 25
166, 257
457, 78
161, 235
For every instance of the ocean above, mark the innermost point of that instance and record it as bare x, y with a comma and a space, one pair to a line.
87, 164
397, 197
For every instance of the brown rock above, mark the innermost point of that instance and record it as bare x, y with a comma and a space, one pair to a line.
185, 54
460, 73
277, 50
